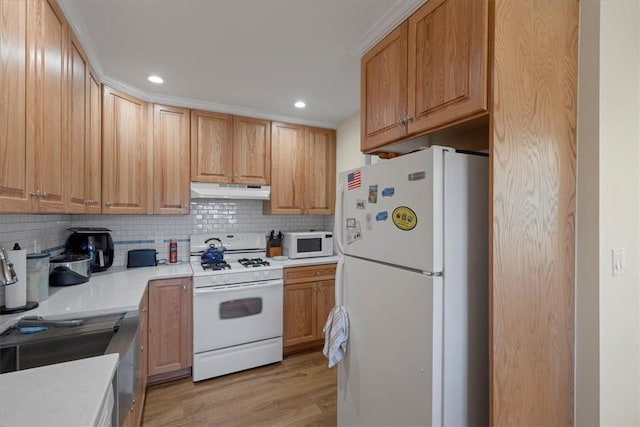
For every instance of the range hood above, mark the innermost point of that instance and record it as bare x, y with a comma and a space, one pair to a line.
204, 190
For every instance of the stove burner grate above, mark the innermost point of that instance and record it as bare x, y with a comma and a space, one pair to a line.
215, 266
253, 262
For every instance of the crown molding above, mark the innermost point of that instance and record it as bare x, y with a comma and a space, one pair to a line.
387, 23
198, 104
77, 25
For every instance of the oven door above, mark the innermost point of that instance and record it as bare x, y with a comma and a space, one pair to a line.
224, 316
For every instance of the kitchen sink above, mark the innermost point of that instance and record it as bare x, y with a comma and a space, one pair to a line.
57, 344
79, 338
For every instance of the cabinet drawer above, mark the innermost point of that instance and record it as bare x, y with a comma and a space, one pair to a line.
309, 273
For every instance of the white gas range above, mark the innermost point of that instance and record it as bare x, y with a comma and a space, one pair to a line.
237, 305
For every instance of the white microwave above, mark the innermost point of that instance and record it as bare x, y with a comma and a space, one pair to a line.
308, 244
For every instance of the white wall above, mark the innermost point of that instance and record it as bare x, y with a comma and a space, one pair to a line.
619, 207
608, 322
348, 155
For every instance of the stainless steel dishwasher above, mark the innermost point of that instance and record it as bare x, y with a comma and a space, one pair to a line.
79, 338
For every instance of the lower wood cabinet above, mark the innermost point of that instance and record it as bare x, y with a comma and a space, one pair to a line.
170, 329
309, 296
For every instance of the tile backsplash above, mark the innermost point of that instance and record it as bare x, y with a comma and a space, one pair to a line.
155, 231
49, 231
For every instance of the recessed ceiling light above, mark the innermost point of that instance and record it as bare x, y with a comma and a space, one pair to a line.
155, 79
299, 104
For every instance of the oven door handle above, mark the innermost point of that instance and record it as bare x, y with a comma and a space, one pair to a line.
234, 288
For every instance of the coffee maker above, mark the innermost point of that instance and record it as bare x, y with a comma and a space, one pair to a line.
93, 241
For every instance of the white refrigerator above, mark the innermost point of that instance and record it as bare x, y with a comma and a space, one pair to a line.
413, 235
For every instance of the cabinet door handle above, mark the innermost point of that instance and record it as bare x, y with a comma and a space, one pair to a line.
108, 204
36, 194
44, 195
408, 119
184, 287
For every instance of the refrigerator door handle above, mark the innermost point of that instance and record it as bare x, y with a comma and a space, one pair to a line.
339, 281
433, 273
338, 218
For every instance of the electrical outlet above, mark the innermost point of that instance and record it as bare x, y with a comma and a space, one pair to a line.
618, 261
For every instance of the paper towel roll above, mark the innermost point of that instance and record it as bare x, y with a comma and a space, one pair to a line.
16, 295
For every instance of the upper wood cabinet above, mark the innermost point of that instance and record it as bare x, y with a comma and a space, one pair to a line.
384, 90
251, 151
320, 170
287, 169
126, 154
302, 170
229, 149
171, 144
93, 147
84, 155
211, 149
50, 108
448, 61
429, 73
17, 162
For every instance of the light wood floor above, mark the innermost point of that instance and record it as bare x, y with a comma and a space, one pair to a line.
300, 391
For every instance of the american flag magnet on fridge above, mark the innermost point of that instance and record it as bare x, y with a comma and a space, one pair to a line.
353, 180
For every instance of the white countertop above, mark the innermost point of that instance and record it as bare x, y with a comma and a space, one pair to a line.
66, 394
70, 393
115, 290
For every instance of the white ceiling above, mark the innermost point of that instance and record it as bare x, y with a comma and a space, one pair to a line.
252, 57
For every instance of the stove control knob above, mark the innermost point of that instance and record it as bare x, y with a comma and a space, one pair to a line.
225, 279
256, 274
213, 280
266, 274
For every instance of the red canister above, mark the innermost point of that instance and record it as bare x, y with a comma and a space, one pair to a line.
173, 251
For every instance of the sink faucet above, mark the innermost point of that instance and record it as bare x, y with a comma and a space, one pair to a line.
7, 273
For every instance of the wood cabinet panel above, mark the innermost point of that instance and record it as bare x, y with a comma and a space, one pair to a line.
300, 313
384, 90
309, 273
78, 94
127, 154
309, 296
320, 171
170, 329
171, 148
326, 300
93, 147
287, 165
50, 107
533, 182
303, 168
251, 151
211, 148
448, 54
17, 168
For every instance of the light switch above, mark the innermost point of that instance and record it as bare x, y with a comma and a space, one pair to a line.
618, 261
